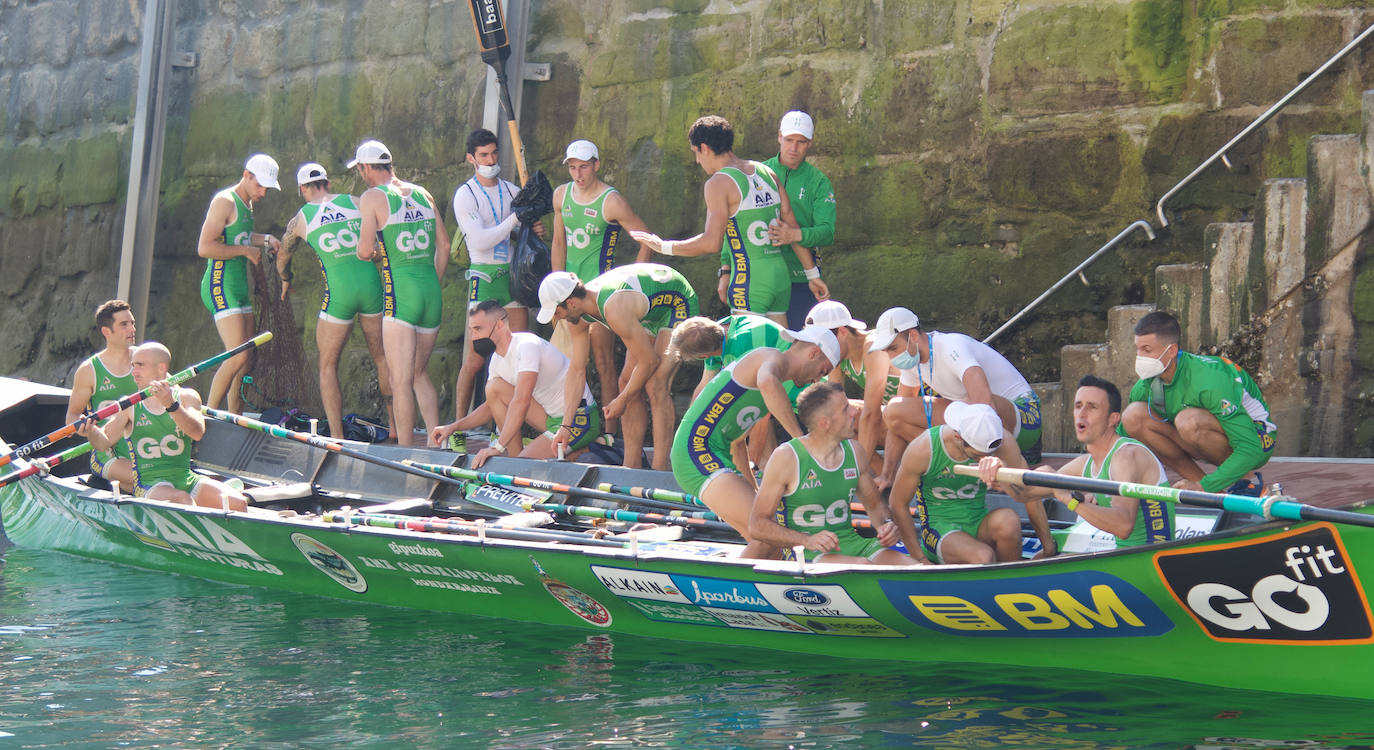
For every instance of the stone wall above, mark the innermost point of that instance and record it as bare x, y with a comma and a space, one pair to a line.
979, 149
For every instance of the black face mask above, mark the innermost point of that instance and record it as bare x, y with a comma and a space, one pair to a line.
484, 347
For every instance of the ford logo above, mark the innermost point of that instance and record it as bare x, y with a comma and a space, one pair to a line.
807, 596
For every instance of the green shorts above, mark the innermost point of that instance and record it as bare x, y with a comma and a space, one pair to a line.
668, 307
489, 281
758, 284
349, 290
586, 426
411, 294
694, 468
224, 287
947, 519
1028, 410
850, 544
187, 482
100, 460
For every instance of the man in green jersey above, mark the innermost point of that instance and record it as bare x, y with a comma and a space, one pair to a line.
1096, 414
717, 343
813, 204
956, 525
589, 220
640, 303
872, 371
742, 200
228, 244
525, 387
330, 225
159, 431
399, 222
805, 495
1189, 408
708, 457
106, 377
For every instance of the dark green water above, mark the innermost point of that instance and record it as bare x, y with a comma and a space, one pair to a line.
95, 655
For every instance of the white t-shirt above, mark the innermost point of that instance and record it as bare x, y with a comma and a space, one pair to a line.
953, 353
485, 217
529, 353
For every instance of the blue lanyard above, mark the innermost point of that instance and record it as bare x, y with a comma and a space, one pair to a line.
500, 197
930, 352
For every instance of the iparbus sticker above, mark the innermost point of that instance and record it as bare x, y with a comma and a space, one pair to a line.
1295, 587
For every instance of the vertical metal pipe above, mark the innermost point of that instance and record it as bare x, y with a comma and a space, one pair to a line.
145, 156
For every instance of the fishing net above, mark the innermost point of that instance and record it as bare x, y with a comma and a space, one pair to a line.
280, 373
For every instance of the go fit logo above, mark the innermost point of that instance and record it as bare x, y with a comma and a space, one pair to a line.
1296, 587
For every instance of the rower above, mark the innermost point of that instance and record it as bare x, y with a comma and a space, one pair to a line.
873, 372
104, 378
717, 343
708, 458
525, 387
158, 432
808, 485
1096, 414
956, 525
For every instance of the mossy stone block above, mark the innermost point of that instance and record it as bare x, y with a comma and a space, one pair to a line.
91, 169
794, 27
1258, 60
1074, 172
907, 27
927, 100
671, 47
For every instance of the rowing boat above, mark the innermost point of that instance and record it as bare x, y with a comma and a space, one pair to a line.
1277, 605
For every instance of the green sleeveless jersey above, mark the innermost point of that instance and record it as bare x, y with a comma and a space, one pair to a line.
236, 232
160, 450
894, 377
109, 388
1154, 520
719, 416
671, 297
759, 204
744, 334
943, 492
821, 499
332, 229
591, 239
410, 234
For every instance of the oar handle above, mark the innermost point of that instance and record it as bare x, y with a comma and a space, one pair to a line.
45, 464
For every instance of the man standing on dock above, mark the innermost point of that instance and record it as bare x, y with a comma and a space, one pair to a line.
399, 221
1189, 408
228, 244
813, 204
104, 378
743, 199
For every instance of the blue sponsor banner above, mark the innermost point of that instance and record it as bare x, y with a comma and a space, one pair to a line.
723, 593
1089, 604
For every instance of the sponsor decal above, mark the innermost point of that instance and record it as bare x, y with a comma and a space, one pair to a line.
864, 627
1294, 587
817, 601
1088, 604
574, 600
638, 584
443, 571
756, 620
330, 563
414, 549
194, 536
672, 612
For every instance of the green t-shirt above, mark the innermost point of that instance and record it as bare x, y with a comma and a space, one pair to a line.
161, 451
1230, 394
237, 232
591, 239
813, 204
332, 230
110, 388
946, 494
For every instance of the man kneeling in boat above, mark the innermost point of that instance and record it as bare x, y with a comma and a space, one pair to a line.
956, 526
811, 480
159, 431
1096, 413
525, 387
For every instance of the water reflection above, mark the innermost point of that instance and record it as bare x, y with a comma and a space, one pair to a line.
93, 655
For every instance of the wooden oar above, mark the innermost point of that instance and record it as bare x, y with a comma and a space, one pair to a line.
458, 526
507, 480
32, 447
631, 516
1274, 506
36, 465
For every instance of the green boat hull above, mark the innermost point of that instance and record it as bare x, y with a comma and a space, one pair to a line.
1277, 607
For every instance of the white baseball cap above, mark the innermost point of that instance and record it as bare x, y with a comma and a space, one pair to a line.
264, 168
831, 314
821, 337
582, 149
310, 172
797, 122
553, 290
977, 424
370, 152
891, 323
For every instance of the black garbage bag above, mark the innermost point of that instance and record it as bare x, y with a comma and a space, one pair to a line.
535, 199
530, 262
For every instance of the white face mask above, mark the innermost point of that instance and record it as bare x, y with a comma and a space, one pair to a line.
489, 171
1149, 367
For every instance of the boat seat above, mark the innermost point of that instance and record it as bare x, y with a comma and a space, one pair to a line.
404, 505
275, 493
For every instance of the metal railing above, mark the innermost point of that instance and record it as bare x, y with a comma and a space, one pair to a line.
1220, 155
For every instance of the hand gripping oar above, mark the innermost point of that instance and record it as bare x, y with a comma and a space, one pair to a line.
32, 447
36, 465
1272, 507
507, 480
631, 516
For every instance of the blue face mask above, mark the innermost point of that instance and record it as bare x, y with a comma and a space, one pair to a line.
906, 361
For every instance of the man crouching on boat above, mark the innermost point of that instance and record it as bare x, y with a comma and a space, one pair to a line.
810, 481
159, 431
956, 526
1096, 413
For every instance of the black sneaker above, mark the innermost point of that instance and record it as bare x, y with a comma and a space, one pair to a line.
1248, 487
